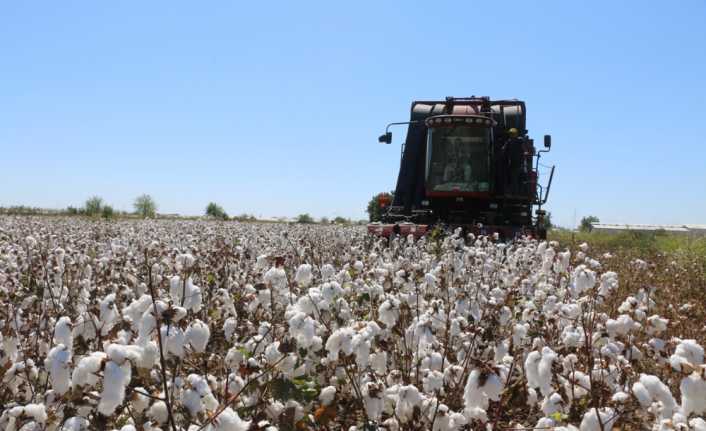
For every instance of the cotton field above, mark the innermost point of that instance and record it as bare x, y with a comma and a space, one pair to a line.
203, 325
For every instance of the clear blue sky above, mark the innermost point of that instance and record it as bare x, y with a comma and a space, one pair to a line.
275, 108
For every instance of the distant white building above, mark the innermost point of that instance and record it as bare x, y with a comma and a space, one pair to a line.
686, 229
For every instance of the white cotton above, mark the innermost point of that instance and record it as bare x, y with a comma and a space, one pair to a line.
115, 379
58, 364
198, 396
373, 400
75, 423
185, 261
149, 356
120, 353
593, 419
108, 314
327, 394
656, 391
302, 328
688, 352
197, 335
85, 373
341, 341
433, 381
228, 420
303, 276
620, 326
481, 387
327, 272
276, 278
185, 291
408, 399
389, 312
620, 397
137, 309
138, 401
37, 412
698, 424
174, 339
656, 325
158, 412
583, 279
544, 371
378, 362
63, 333
552, 404
229, 327
693, 394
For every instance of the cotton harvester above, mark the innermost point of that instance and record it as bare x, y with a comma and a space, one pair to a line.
469, 163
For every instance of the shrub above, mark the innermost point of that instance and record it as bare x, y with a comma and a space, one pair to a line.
305, 218
145, 206
93, 205
216, 211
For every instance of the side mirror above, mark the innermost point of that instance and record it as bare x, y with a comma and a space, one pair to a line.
386, 138
547, 141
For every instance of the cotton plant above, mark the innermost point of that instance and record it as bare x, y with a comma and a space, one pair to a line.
192, 325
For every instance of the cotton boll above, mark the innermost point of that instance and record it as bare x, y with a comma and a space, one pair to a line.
408, 399
137, 309
198, 396
138, 401
373, 400
303, 276
75, 423
327, 394
378, 362
693, 394
302, 328
197, 335
108, 314
688, 353
433, 382
58, 364
340, 341
698, 424
583, 279
389, 312
480, 388
620, 397
656, 325
544, 370
276, 278
591, 421
63, 334
115, 379
650, 388
85, 373
158, 412
175, 340
327, 272
229, 327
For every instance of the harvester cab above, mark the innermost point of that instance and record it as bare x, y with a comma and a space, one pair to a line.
466, 162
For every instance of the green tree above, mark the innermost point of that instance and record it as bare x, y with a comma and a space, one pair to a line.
107, 212
375, 211
216, 211
341, 220
324, 220
93, 205
587, 223
145, 206
548, 221
305, 218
